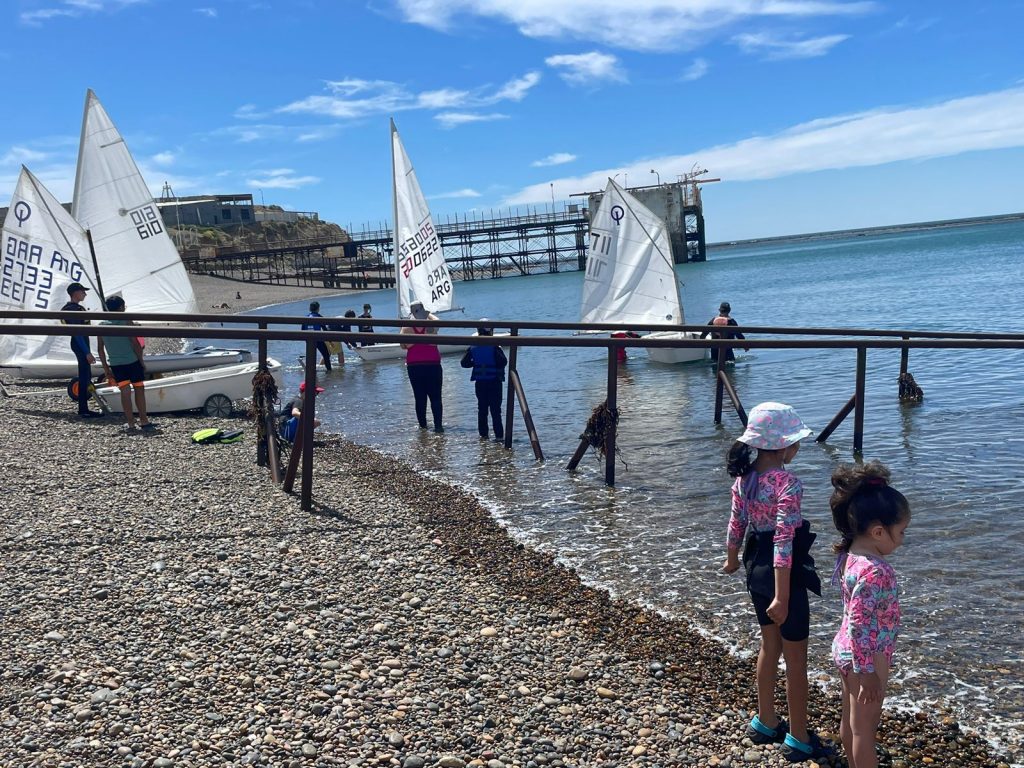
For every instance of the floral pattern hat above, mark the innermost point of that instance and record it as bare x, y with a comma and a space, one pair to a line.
774, 426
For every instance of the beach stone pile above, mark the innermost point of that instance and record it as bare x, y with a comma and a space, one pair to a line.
165, 605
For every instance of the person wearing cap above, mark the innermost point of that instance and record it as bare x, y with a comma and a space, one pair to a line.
723, 319
366, 327
488, 363
290, 428
423, 364
766, 524
80, 346
123, 362
321, 346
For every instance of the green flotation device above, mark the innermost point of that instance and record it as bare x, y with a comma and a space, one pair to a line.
214, 435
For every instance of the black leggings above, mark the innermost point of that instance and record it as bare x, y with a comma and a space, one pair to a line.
426, 384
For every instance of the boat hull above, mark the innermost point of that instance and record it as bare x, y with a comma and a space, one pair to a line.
192, 391
381, 352
675, 355
205, 357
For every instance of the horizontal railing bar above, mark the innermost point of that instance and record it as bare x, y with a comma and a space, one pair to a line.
156, 331
494, 323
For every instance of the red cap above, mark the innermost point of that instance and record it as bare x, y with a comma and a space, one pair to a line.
319, 389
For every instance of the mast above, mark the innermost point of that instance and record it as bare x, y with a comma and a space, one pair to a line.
394, 222
89, 96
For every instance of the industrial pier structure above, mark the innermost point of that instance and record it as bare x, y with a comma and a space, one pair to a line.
554, 240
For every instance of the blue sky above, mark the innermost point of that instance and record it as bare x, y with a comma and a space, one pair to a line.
816, 114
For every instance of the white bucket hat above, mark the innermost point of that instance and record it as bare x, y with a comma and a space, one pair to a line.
774, 426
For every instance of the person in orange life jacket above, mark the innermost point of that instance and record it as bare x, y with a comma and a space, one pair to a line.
620, 352
723, 319
290, 430
123, 362
321, 346
423, 364
80, 346
488, 364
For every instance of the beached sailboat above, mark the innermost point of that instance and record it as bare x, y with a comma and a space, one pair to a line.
630, 279
45, 250
421, 273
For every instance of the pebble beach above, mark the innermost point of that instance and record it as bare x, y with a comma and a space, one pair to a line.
165, 604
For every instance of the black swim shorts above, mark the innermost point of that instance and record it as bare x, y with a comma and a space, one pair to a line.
129, 372
797, 625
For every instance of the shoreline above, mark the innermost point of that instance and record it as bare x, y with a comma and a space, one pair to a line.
166, 605
213, 292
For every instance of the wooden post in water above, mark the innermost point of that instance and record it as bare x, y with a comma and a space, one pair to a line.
306, 433
612, 403
510, 410
837, 420
719, 386
293, 461
858, 413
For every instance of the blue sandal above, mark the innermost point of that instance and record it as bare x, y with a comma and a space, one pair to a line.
796, 751
759, 733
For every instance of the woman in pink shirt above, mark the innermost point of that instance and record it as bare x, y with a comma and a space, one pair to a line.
423, 364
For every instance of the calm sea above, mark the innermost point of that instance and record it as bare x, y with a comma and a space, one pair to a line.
657, 538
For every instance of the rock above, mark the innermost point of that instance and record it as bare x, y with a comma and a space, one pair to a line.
606, 693
451, 761
488, 632
579, 674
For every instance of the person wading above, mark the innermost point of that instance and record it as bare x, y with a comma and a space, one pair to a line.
423, 364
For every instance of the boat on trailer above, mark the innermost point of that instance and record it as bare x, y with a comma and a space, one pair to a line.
214, 391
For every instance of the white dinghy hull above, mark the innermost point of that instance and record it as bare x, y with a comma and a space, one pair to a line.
213, 390
205, 357
675, 355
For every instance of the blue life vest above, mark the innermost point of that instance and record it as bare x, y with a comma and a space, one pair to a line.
485, 364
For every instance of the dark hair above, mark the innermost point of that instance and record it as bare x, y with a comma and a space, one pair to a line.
314, 306
862, 497
115, 304
350, 313
740, 460
725, 307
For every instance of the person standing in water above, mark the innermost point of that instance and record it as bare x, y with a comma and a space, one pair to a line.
488, 363
366, 327
321, 346
723, 319
423, 364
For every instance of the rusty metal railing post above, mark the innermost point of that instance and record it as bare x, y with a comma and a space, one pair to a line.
510, 409
858, 413
293, 460
904, 357
524, 406
262, 353
308, 409
719, 386
612, 403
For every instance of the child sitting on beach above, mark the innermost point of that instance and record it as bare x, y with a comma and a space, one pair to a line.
872, 517
779, 569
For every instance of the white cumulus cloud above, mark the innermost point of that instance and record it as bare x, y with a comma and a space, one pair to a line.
456, 194
773, 47
587, 68
281, 178
455, 119
558, 158
696, 70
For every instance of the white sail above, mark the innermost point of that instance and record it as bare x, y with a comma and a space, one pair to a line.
136, 257
629, 278
44, 250
420, 270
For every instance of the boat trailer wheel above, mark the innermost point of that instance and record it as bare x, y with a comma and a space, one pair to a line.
73, 389
218, 405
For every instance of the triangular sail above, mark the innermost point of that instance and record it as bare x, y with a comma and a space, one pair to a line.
420, 270
629, 278
44, 250
135, 255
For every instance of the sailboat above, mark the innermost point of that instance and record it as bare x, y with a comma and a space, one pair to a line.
44, 251
421, 273
630, 278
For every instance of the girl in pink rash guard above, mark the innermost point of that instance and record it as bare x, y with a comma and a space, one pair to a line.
872, 518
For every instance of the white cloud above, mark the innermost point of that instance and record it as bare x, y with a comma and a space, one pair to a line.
886, 135
558, 158
772, 47
458, 193
249, 112
163, 158
281, 178
586, 68
19, 156
353, 98
642, 25
209, 12
455, 119
696, 70
74, 9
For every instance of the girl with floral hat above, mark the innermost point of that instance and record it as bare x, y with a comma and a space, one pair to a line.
872, 517
776, 541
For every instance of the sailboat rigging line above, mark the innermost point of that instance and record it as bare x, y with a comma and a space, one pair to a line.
96, 268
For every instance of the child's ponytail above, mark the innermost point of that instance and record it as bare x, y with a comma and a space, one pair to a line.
862, 496
739, 461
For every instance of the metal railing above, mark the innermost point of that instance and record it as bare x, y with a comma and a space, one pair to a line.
856, 339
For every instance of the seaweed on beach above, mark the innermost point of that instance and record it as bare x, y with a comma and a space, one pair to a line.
602, 420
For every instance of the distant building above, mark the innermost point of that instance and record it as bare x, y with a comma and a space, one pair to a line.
207, 210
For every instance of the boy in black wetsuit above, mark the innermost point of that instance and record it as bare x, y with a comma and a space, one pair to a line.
80, 346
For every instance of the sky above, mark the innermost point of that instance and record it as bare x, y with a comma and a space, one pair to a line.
815, 114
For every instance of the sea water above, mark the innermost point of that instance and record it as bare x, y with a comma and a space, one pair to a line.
657, 538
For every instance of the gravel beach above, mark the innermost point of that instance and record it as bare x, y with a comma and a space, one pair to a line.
213, 292
164, 604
